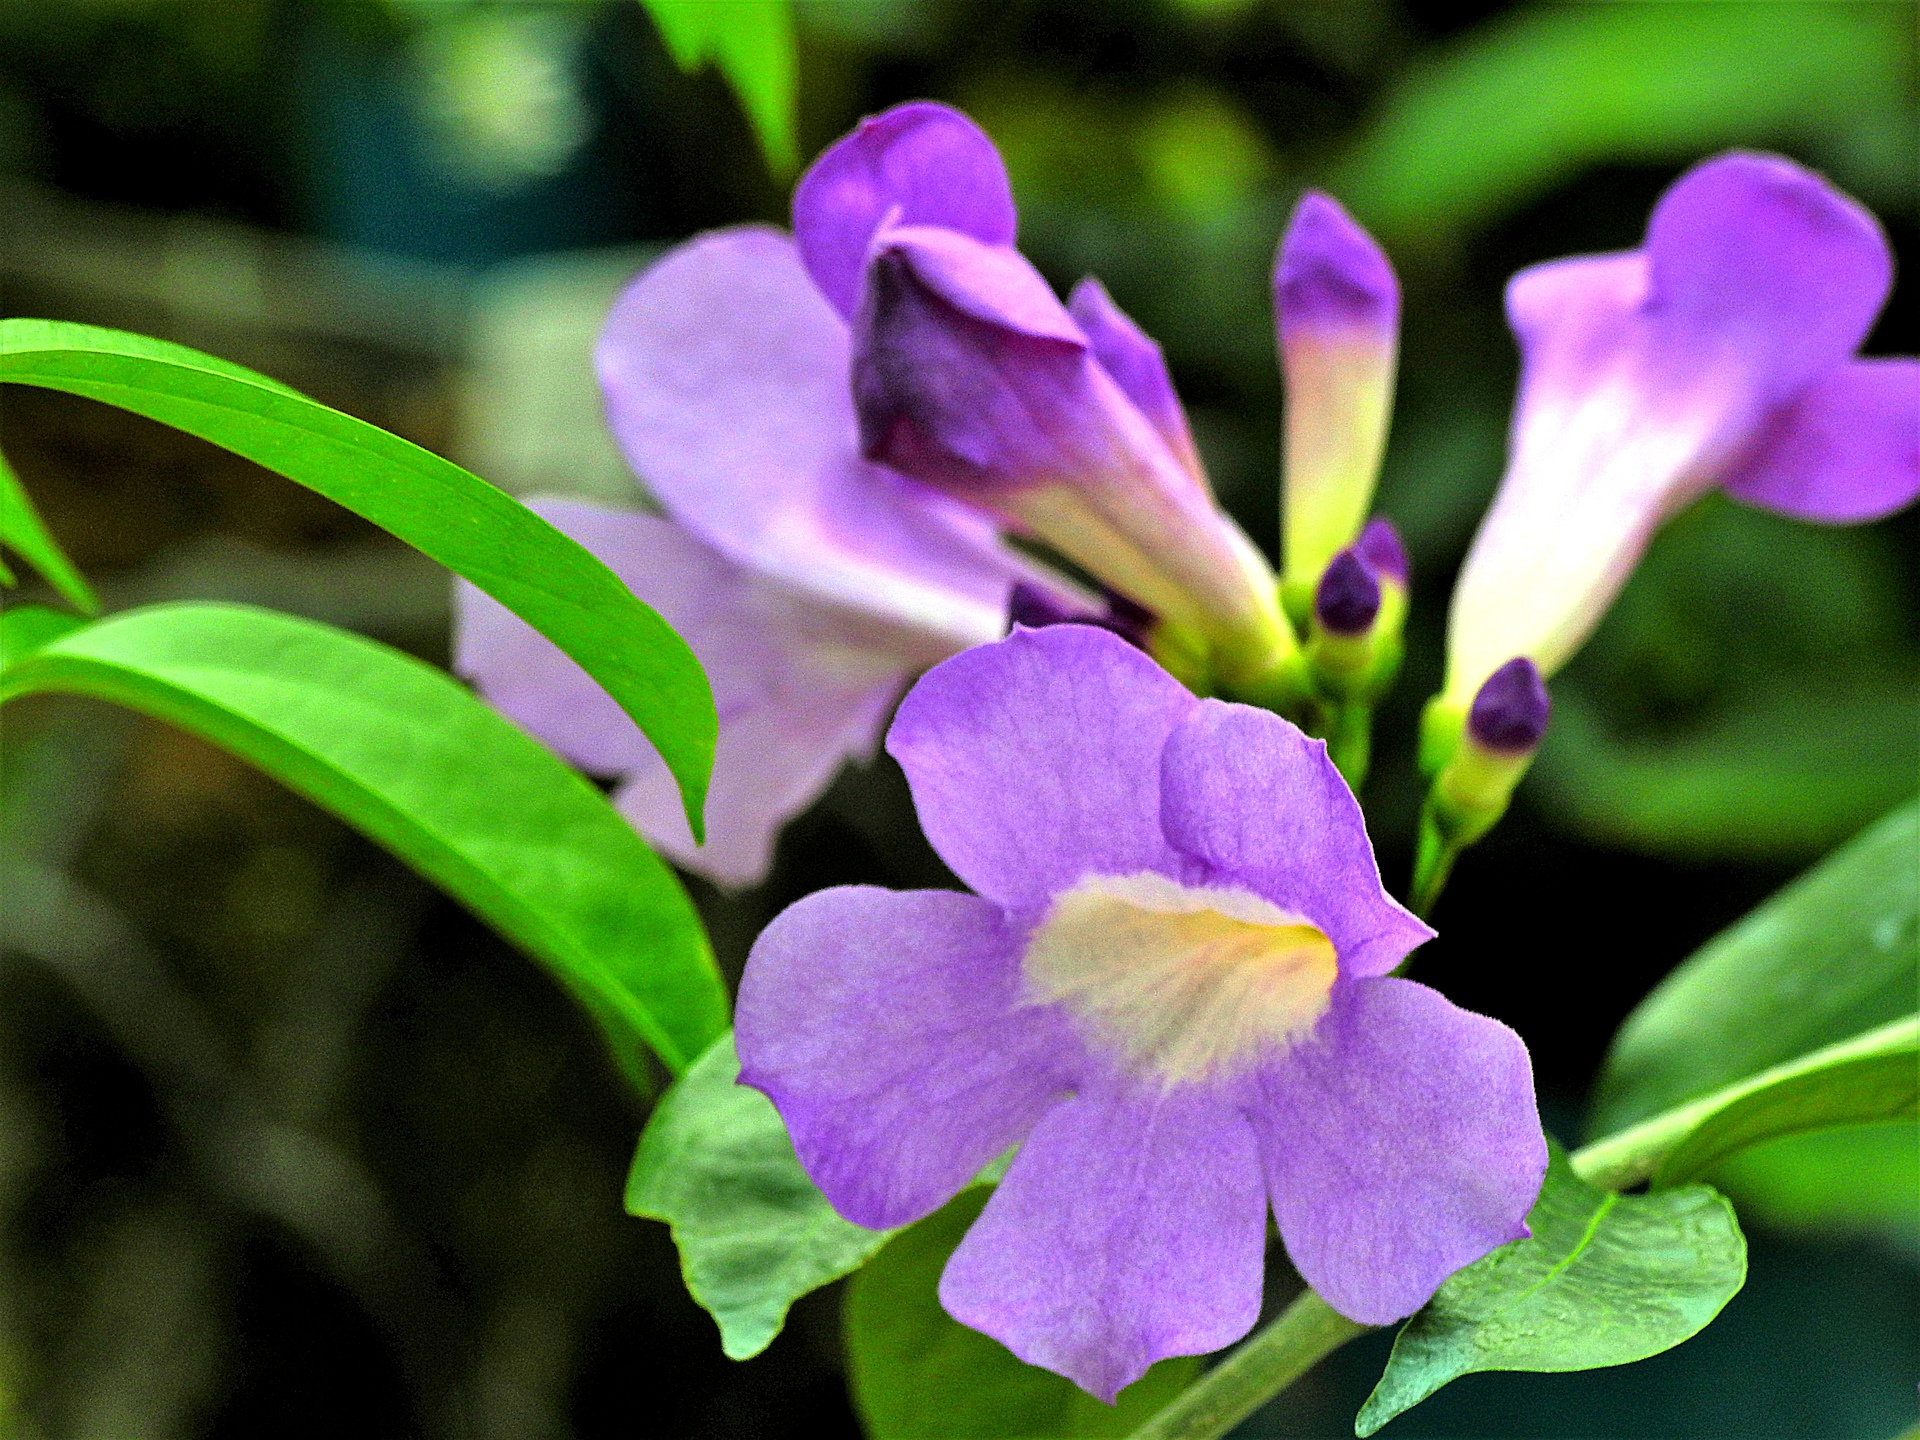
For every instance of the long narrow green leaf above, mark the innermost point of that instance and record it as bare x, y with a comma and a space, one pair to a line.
752, 41
1872, 1078
23, 531
1828, 957
407, 755
458, 519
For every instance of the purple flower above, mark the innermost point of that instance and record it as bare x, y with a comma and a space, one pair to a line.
811, 583
970, 375
1170, 989
1338, 307
1722, 352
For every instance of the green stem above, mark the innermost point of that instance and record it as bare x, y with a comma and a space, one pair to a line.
1309, 1329
1350, 741
1277, 1355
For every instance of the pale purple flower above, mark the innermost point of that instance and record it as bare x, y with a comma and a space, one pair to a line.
1722, 352
970, 375
1337, 304
812, 584
1170, 988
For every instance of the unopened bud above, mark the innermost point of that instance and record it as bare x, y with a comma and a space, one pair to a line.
1348, 596
1359, 606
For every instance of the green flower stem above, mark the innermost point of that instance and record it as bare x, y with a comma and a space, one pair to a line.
1277, 1355
1309, 1329
1350, 741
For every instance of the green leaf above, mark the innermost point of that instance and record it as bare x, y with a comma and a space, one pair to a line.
410, 757
1605, 1279
1509, 109
1858, 1180
456, 518
22, 529
1873, 1077
754, 1232
918, 1374
1828, 957
25, 628
752, 41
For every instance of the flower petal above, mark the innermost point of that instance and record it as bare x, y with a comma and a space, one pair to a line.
1756, 255
800, 686
1129, 1227
1138, 367
1400, 1144
1262, 805
1846, 451
1337, 303
886, 1028
927, 162
1036, 761
725, 377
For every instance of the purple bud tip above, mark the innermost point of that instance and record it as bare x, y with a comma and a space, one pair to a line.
1510, 711
1379, 545
1034, 607
1348, 597
1330, 269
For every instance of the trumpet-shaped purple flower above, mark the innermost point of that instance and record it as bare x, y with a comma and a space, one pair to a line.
969, 375
1337, 304
811, 583
1722, 352
1170, 989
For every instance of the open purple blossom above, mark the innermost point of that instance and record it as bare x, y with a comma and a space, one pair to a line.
1337, 305
1171, 989
812, 584
971, 376
1722, 352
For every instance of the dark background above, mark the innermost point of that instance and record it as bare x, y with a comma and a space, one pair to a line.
291, 1145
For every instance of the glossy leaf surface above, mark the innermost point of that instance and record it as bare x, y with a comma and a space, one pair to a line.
455, 517
1606, 1279
1830, 956
408, 756
754, 1233
918, 1374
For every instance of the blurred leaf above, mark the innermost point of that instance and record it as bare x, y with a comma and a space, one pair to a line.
411, 758
1793, 771
918, 1374
25, 628
1518, 105
1828, 957
754, 1233
1876, 1076
752, 41
22, 529
456, 518
1605, 1279
1862, 1179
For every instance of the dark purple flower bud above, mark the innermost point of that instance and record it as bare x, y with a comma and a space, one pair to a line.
1379, 545
1510, 711
1036, 608
1348, 596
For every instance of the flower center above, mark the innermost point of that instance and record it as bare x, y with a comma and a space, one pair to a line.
1182, 982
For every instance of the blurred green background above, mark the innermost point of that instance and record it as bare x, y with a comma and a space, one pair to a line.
290, 1145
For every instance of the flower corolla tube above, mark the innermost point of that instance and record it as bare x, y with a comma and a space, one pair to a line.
1171, 989
812, 583
1722, 352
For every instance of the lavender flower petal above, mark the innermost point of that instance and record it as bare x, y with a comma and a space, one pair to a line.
1261, 805
1400, 1144
1037, 761
886, 1028
920, 163
1337, 303
1129, 1227
1134, 360
800, 687
1847, 451
725, 376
